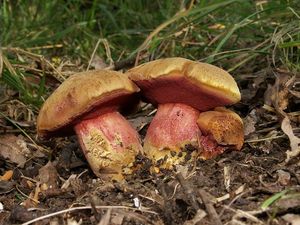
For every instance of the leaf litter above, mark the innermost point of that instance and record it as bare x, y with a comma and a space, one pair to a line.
59, 188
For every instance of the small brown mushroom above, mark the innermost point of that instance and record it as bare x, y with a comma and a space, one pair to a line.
182, 89
88, 104
220, 129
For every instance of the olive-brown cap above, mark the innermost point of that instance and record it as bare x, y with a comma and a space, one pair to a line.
84, 94
178, 80
225, 126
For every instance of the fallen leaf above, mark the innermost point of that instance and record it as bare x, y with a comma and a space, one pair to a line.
98, 63
6, 186
183, 170
283, 177
293, 219
33, 198
249, 123
294, 140
278, 95
48, 176
290, 201
14, 148
7, 175
67, 183
105, 218
117, 219
71, 221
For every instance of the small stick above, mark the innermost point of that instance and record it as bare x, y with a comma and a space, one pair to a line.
214, 217
83, 207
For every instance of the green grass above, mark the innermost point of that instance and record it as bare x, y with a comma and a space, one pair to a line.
234, 34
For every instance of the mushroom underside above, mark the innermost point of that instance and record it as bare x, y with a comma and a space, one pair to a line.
179, 89
118, 101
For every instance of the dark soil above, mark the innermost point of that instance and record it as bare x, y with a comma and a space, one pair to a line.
255, 173
229, 189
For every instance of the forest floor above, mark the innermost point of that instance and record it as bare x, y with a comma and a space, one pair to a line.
50, 182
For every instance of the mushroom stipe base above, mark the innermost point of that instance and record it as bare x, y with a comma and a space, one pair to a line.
109, 143
173, 127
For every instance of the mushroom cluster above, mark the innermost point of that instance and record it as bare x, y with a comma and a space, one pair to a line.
190, 97
187, 94
89, 104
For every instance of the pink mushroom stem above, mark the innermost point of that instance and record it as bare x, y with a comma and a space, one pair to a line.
108, 142
173, 126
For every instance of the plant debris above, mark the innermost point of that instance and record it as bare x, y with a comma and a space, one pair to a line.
49, 181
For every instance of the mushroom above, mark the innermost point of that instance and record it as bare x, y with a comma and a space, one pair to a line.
220, 129
182, 89
88, 104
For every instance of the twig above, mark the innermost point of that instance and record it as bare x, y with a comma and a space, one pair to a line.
84, 207
248, 215
264, 139
27, 196
214, 217
174, 192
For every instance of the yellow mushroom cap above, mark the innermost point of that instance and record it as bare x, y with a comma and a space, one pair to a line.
178, 80
85, 94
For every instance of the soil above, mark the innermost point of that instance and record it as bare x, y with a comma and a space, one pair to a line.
232, 188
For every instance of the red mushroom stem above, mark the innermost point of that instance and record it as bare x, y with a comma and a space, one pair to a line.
173, 126
108, 142
177, 125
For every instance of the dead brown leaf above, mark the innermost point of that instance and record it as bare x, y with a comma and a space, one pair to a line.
283, 177
6, 186
48, 176
7, 175
278, 95
292, 219
294, 140
14, 148
98, 63
72, 221
250, 122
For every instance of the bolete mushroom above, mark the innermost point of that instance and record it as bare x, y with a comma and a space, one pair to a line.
88, 104
220, 129
182, 89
